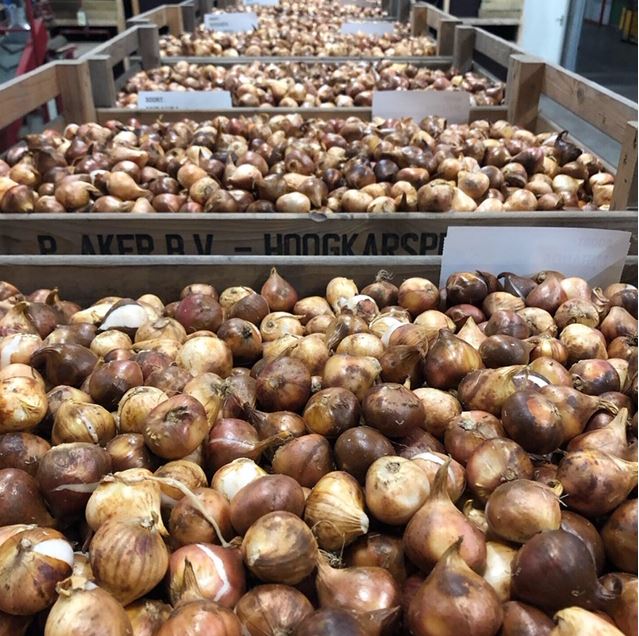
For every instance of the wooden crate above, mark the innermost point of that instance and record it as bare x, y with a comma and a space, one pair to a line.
347, 235
133, 50
427, 19
85, 280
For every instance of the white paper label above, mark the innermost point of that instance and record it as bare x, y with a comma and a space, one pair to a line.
184, 100
596, 255
369, 28
233, 21
82, 17
453, 105
264, 3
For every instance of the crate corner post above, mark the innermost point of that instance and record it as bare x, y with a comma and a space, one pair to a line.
102, 82
446, 36
74, 81
463, 47
418, 18
149, 42
525, 86
625, 192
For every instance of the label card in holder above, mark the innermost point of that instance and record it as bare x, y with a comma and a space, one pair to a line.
369, 28
231, 22
453, 105
596, 255
184, 100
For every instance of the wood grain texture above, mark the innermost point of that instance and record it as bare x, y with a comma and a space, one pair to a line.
119, 47
525, 83
173, 17
431, 62
85, 280
419, 19
463, 48
495, 48
270, 234
149, 46
188, 15
446, 37
27, 92
625, 192
74, 82
102, 82
489, 113
604, 109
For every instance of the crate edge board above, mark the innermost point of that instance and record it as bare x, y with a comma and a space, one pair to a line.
349, 234
423, 60
364, 112
166, 276
593, 215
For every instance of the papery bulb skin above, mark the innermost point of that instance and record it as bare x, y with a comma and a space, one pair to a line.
279, 293
437, 525
335, 509
272, 610
563, 562
449, 360
594, 482
360, 589
84, 608
519, 509
575, 621
525, 620
454, 600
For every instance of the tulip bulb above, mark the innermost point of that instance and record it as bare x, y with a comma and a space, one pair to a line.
335, 510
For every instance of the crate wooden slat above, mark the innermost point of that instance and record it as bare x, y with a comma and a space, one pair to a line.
86, 279
167, 17
427, 19
417, 233
68, 79
141, 39
489, 113
434, 61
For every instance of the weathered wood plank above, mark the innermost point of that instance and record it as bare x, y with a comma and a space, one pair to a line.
495, 48
188, 15
270, 234
419, 19
27, 92
625, 193
102, 83
604, 109
433, 62
119, 47
446, 36
524, 86
74, 82
86, 279
149, 46
490, 113
463, 48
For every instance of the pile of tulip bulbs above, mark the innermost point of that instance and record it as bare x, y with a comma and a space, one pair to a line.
284, 163
387, 459
293, 84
